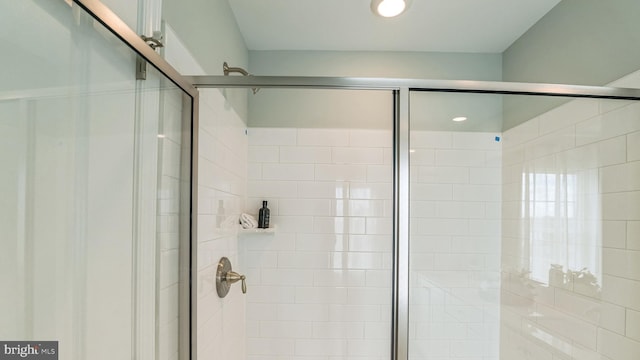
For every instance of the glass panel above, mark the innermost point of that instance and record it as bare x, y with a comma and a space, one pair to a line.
92, 183
168, 159
523, 241
129, 11
320, 286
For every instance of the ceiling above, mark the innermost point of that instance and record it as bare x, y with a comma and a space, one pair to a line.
477, 26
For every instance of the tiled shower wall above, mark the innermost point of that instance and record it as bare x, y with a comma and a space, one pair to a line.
571, 246
455, 245
222, 190
222, 182
320, 286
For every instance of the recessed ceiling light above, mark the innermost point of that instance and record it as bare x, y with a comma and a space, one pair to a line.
459, 118
388, 8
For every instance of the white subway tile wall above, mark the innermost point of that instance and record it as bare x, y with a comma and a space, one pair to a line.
320, 287
455, 245
570, 260
222, 189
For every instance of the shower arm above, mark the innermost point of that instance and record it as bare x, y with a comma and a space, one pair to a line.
226, 69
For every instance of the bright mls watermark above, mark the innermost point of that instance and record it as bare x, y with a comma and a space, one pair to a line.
29, 350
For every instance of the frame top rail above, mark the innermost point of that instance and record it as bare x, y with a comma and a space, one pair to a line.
364, 83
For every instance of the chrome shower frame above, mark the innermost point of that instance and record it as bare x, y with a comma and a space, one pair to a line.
400, 88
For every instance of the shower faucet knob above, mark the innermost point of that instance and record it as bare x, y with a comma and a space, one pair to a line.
225, 277
233, 277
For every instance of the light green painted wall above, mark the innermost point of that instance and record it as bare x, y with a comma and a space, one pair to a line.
582, 42
413, 65
209, 30
358, 109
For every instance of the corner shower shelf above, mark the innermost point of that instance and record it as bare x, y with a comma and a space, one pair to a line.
271, 230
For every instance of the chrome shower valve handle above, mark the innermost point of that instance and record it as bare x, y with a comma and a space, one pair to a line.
225, 277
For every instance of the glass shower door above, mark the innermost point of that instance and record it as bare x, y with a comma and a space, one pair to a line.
319, 287
94, 182
523, 241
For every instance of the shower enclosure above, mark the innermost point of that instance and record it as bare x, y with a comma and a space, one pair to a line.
398, 233
512, 244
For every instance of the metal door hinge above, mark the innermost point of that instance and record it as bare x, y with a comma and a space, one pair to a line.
154, 42
141, 68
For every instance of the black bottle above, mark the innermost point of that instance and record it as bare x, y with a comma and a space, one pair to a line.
263, 216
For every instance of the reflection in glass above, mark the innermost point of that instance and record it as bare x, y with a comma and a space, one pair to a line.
566, 287
565, 238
